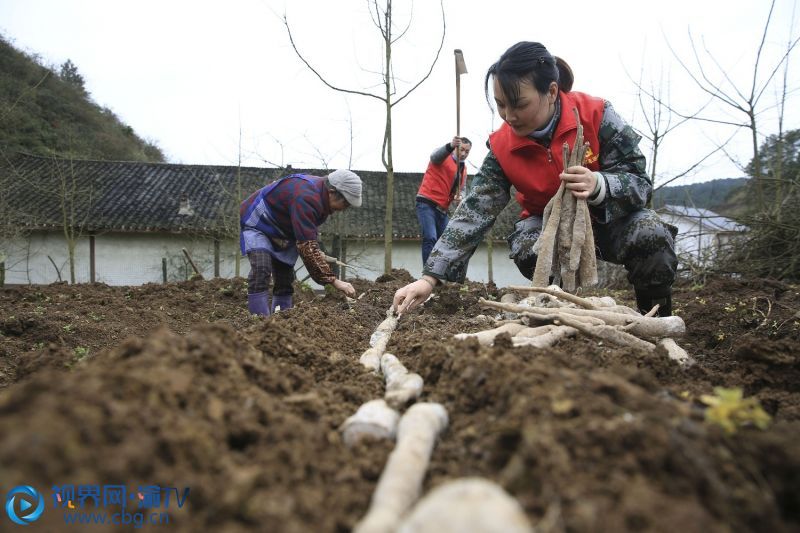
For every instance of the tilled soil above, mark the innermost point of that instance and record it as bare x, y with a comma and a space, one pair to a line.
178, 386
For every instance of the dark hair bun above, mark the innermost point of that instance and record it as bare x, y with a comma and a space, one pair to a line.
565, 76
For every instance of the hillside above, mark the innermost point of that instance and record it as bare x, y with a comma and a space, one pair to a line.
48, 113
717, 195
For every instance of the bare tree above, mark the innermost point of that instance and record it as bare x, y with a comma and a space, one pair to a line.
783, 184
660, 121
383, 19
770, 246
72, 197
657, 116
744, 101
655, 105
75, 199
14, 220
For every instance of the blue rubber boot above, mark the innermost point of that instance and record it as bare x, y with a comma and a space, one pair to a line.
258, 303
283, 302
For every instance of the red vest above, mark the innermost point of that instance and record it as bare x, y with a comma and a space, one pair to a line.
437, 183
533, 169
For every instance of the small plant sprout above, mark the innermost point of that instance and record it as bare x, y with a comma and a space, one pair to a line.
729, 409
305, 287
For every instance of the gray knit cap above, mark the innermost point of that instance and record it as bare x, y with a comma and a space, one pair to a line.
349, 184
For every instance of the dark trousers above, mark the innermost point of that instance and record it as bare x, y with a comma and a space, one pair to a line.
262, 268
432, 222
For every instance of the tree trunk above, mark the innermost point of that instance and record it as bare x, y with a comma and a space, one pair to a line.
653, 167
92, 271
336, 250
387, 142
387, 225
757, 165
216, 257
71, 250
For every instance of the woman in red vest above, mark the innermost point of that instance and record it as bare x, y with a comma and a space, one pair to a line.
532, 91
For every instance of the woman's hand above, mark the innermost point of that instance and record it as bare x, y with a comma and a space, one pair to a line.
412, 295
579, 180
344, 287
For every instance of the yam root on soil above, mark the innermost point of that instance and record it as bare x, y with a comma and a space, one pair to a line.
469, 504
401, 480
605, 303
641, 326
508, 298
371, 358
546, 339
608, 333
671, 349
522, 335
609, 322
374, 419
402, 386
558, 293
486, 338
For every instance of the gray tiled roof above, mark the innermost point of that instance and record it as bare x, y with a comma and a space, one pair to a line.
146, 197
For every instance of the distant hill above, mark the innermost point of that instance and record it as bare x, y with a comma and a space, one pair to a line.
719, 195
49, 113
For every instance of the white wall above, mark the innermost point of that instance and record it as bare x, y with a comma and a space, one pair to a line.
695, 241
120, 258
136, 258
408, 255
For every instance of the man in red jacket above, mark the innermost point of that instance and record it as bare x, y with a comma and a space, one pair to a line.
443, 183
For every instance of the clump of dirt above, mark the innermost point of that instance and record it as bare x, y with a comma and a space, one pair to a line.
396, 275
177, 385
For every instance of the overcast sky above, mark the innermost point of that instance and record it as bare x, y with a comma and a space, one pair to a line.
191, 74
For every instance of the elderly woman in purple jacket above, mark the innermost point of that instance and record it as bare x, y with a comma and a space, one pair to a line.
280, 222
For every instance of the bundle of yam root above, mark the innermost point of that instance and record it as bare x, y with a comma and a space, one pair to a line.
551, 315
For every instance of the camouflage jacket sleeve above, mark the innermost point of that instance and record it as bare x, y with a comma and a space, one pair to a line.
628, 187
319, 269
488, 194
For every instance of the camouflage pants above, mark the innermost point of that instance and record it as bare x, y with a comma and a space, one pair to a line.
640, 241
